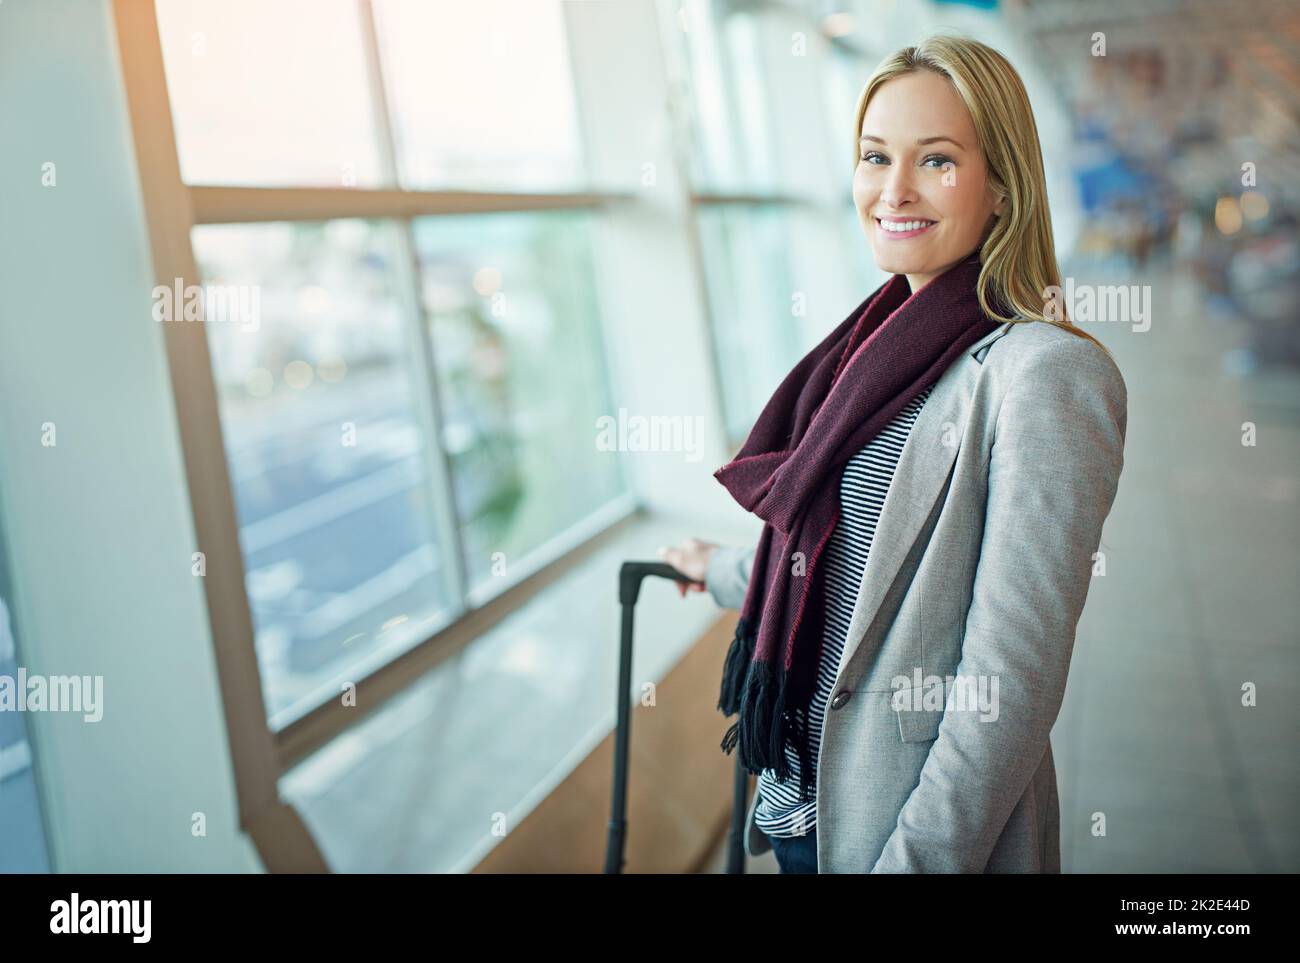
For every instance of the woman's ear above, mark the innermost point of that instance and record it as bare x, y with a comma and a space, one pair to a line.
1000, 205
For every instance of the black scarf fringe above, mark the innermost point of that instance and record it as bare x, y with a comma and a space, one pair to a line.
760, 693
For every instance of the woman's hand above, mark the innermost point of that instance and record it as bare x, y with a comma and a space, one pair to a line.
691, 559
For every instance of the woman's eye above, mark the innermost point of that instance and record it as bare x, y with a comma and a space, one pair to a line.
942, 159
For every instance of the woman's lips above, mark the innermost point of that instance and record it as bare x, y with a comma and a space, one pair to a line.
902, 235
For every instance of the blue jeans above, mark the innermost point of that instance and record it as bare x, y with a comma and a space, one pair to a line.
796, 854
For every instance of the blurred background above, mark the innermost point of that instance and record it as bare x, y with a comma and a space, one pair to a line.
344, 551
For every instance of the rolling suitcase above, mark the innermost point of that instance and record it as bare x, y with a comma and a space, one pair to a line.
630, 576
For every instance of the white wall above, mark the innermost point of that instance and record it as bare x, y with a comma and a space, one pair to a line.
98, 526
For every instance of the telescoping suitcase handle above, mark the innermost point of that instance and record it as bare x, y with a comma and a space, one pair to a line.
630, 576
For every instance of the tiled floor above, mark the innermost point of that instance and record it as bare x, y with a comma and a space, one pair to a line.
1199, 599
1201, 595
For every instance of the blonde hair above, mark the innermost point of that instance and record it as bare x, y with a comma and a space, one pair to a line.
1017, 256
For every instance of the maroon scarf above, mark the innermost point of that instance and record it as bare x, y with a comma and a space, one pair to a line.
834, 401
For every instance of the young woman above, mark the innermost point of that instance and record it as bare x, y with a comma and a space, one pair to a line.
933, 479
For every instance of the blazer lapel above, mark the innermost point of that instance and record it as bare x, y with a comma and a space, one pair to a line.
920, 476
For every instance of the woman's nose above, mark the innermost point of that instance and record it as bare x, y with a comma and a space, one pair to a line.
898, 188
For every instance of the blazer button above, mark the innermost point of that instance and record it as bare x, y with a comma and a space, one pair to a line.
841, 697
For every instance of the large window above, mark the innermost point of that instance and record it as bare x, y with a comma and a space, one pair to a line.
270, 94
481, 94
731, 135
407, 397
771, 184
522, 368
282, 93
327, 460
755, 318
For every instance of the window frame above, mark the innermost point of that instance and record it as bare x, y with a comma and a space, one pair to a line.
261, 751
829, 208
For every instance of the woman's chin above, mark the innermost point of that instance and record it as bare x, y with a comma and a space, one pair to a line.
893, 264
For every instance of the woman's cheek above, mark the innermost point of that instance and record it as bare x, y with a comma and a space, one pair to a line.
859, 193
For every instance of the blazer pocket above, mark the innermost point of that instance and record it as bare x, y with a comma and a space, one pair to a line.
916, 723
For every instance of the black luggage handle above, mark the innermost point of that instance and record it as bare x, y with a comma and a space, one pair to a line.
630, 577
631, 574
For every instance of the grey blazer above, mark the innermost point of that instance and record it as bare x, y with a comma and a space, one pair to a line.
977, 575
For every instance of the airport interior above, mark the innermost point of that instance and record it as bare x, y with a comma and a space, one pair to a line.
349, 348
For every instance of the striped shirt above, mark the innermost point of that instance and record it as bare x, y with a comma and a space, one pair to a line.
863, 487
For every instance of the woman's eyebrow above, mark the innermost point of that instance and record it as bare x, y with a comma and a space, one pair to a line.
919, 143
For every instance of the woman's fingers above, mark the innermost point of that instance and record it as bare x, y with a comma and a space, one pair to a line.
684, 559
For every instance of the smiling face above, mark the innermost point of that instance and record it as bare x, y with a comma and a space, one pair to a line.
921, 186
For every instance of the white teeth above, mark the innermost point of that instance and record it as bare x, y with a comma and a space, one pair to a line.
900, 226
